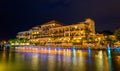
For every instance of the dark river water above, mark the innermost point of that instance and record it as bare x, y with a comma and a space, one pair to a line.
60, 60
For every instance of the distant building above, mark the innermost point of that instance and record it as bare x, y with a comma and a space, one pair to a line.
54, 32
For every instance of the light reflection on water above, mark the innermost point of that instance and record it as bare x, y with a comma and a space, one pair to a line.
60, 60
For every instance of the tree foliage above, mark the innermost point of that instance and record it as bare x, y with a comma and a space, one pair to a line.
105, 32
17, 40
117, 34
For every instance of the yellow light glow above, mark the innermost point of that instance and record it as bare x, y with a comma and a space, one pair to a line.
76, 27
99, 38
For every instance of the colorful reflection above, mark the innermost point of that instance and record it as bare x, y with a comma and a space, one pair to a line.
59, 59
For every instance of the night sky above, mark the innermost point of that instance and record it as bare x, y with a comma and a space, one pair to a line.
21, 15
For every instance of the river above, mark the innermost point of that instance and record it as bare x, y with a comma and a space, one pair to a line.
60, 60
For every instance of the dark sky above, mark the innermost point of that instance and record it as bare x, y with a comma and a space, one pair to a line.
21, 15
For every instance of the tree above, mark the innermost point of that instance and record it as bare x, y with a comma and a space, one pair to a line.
105, 32
109, 40
117, 34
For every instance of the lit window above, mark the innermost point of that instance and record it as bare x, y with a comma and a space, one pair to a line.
76, 27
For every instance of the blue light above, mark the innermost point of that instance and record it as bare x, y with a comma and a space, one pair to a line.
89, 50
58, 48
89, 55
48, 48
73, 48
74, 53
109, 59
108, 49
117, 49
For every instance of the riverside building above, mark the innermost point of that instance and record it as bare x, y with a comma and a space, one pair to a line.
56, 33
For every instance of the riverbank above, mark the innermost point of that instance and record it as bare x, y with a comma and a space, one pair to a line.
67, 47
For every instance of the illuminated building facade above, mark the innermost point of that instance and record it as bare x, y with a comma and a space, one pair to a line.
56, 33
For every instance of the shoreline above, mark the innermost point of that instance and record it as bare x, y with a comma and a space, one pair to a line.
69, 47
